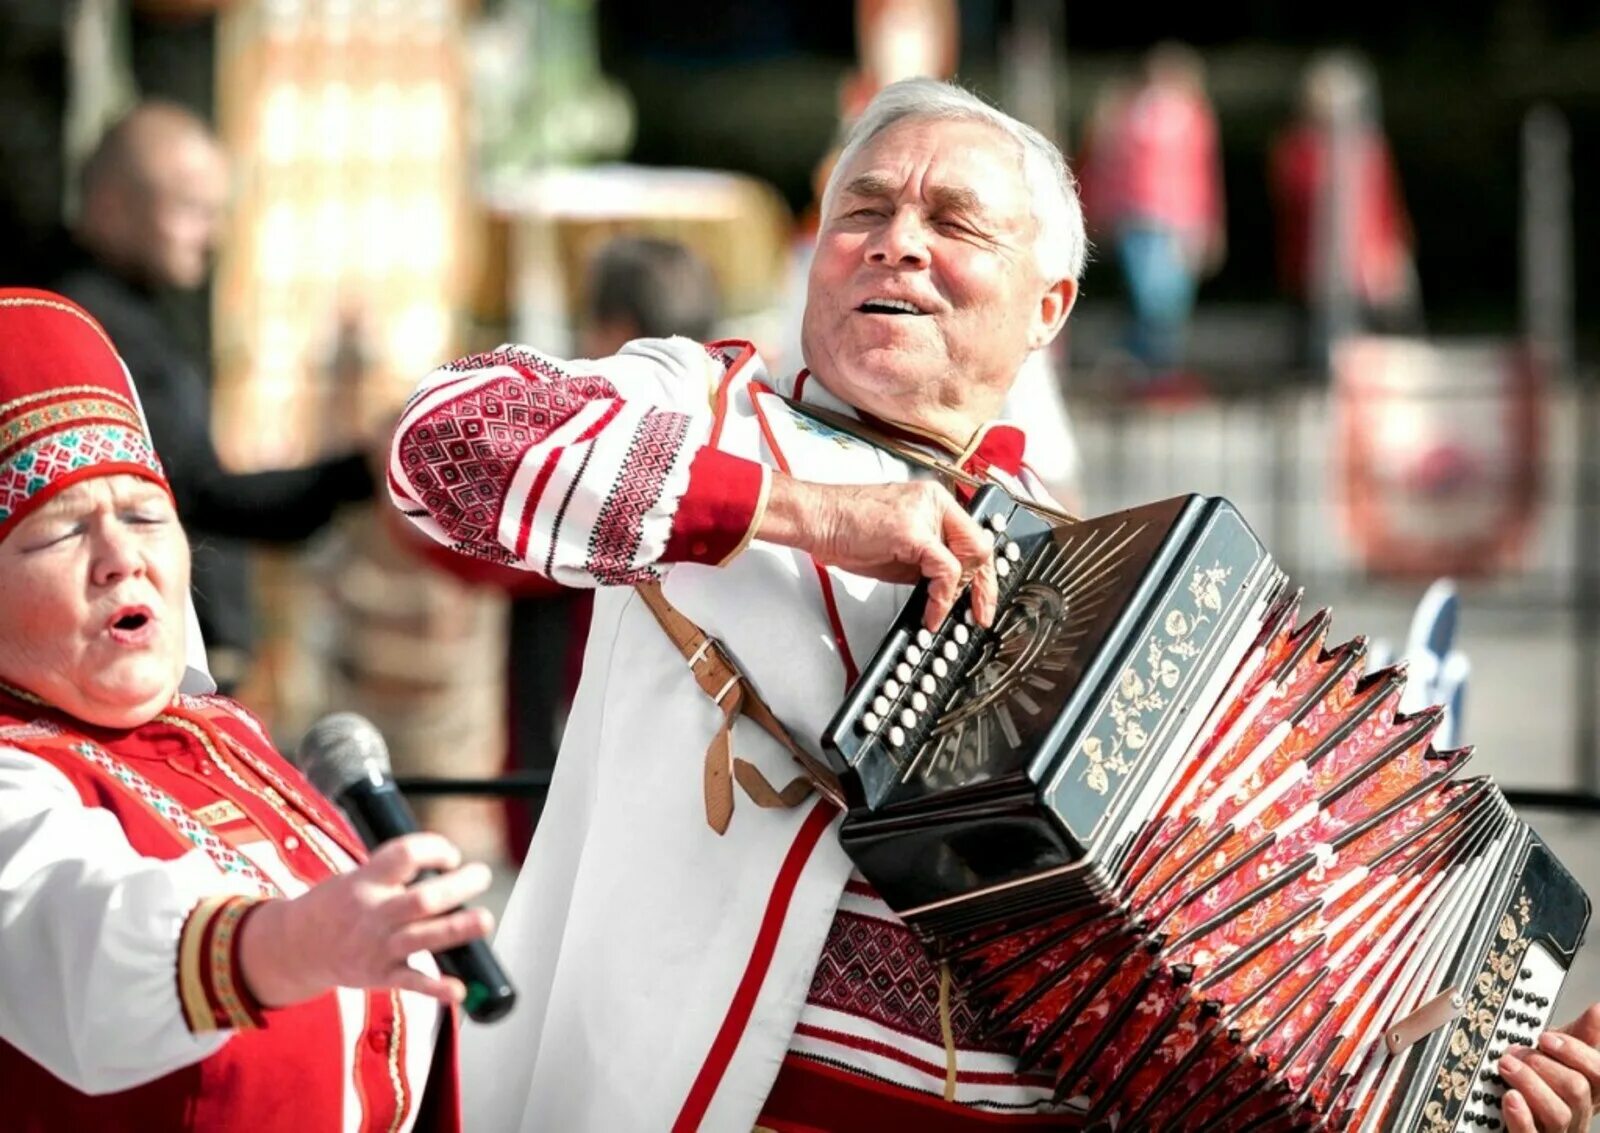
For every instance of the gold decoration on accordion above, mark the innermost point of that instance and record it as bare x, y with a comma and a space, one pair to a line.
1145, 686
1470, 1039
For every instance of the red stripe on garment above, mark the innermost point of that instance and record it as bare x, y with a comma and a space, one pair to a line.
922, 1066
737, 1018
812, 1097
719, 408
547, 470
824, 580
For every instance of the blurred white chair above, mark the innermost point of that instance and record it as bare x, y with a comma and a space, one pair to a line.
1436, 671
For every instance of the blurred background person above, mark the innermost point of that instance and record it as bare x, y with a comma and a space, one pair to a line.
1344, 240
153, 193
1157, 196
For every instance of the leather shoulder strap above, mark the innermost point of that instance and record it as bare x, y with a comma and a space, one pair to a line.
730, 690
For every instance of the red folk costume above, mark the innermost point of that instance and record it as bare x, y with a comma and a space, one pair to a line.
129, 859
673, 975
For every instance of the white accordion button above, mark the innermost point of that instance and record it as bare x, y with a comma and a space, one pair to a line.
891, 688
1002, 567
870, 721
919, 702
896, 736
951, 651
913, 654
940, 669
961, 633
927, 683
902, 673
880, 705
924, 638
908, 718
1013, 552
997, 521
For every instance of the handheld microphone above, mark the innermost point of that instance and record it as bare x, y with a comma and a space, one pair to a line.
346, 759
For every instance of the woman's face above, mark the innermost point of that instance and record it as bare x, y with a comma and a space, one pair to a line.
93, 601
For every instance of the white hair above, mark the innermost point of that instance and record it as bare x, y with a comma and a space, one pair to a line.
1061, 245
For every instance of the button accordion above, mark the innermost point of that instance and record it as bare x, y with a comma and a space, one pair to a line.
1186, 854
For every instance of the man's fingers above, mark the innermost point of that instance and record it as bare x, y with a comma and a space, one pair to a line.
1586, 1027
1551, 1111
1579, 1056
943, 572
985, 595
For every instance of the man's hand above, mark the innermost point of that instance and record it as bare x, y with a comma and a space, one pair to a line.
1553, 1087
892, 532
357, 929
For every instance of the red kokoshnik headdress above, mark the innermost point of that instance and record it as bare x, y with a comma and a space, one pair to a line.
67, 406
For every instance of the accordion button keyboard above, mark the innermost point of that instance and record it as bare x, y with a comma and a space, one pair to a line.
1523, 1016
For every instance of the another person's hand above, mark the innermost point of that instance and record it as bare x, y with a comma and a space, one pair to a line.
358, 929
892, 532
1553, 1087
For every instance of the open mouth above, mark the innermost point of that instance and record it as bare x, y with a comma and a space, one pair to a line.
890, 307
130, 622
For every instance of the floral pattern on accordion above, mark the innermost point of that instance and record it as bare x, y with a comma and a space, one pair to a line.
1145, 687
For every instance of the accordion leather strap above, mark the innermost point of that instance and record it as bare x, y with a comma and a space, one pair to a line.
946, 470
731, 691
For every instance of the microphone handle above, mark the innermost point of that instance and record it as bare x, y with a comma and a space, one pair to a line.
380, 812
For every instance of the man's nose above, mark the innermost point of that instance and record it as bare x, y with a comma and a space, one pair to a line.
901, 242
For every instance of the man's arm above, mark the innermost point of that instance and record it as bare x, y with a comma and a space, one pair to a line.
589, 473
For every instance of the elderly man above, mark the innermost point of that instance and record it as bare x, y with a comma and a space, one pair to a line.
188, 939
688, 960
153, 194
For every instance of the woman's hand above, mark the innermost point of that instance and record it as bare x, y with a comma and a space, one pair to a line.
1552, 1088
358, 929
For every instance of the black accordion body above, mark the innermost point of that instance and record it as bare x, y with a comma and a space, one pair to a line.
1188, 855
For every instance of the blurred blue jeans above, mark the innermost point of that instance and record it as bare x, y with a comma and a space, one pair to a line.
1161, 289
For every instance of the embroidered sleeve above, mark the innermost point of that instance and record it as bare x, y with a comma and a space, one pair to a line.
93, 931
210, 987
589, 473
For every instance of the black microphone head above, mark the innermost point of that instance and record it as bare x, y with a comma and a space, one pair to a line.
341, 750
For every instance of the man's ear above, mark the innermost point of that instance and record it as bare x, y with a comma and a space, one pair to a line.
1054, 306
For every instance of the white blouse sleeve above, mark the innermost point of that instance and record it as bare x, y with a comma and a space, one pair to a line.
89, 970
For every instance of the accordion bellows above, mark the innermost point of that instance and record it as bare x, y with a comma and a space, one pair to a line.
1188, 855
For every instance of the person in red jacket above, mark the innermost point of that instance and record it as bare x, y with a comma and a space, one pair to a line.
194, 939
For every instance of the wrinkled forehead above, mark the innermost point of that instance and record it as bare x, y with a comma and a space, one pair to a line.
957, 161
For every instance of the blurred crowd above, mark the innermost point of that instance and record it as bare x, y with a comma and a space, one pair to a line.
425, 640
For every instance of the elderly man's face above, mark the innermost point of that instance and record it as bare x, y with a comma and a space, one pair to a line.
93, 592
925, 293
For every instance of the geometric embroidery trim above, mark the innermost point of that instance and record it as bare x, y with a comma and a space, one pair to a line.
227, 859
28, 472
